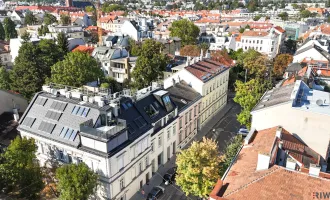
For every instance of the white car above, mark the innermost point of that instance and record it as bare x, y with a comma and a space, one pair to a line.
243, 132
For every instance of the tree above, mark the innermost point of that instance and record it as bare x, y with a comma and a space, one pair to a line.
230, 153
65, 20
150, 64
186, 30
62, 43
252, 5
90, 9
107, 7
2, 32
281, 63
30, 19
254, 62
305, 14
4, 79
134, 48
295, 6
76, 181
26, 76
205, 46
241, 30
198, 168
256, 18
247, 96
190, 50
19, 171
49, 19
45, 30
9, 27
291, 46
284, 16
32, 66
76, 69
26, 37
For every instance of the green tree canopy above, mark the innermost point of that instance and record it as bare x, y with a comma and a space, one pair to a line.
150, 64
186, 30
76, 69
198, 168
254, 62
49, 19
107, 7
305, 14
76, 181
19, 171
134, 48
62, 43
26, 37
89, 9
230, 153
32, 66
9, 27
30, 19
256, 18
2, 32
4, 79
284, 16
65, 20
247, 96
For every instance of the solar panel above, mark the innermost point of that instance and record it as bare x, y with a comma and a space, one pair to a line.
54, 104
63, 132
28, 121
53, 115
58, 106
143, 122
138, 123
63, 106
41, 101
68, 134
46, 127
73, 135
84, 114
81, 110
130, 129
75, 110
124, 106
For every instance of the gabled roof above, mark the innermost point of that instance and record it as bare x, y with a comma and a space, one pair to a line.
84, 48
243, 181
206, 69
323, 52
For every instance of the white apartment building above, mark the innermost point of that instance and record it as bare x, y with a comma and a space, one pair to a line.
301, 110
123, 137
263, 42
210, 79
70, 31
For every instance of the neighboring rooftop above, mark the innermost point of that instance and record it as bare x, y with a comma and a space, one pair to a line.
206, 69
245, 181
8, 129
183, 95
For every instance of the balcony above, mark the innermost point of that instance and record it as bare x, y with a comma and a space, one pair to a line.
118, 70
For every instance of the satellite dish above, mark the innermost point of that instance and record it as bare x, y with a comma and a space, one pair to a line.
319, 102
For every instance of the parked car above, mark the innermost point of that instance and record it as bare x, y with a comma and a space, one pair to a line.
155, 193
243, 132
169, 177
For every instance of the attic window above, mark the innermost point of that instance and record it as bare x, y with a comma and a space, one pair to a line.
150, 110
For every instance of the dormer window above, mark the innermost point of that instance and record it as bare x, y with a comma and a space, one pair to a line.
150, 110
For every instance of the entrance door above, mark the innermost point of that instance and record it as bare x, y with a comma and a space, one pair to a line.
147, 178
174, 146
141, 184
160, 157
168, 152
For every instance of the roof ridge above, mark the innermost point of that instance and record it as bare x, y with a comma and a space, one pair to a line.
255, 180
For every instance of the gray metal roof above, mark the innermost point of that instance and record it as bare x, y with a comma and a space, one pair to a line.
183, 95
294, 67
274, 97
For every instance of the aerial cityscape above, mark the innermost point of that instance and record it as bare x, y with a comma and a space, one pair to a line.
164, 100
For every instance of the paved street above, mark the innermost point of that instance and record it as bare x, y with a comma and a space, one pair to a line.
225, 125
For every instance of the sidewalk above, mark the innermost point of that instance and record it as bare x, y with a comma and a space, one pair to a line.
157, 178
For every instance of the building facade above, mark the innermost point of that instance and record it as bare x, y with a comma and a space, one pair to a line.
123, 137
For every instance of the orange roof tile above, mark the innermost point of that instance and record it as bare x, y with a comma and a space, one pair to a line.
255, 33
83, 48
280, 29
289, 81
244, 182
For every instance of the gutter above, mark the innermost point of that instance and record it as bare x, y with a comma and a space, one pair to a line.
231, 164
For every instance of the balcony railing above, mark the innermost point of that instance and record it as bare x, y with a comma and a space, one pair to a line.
117, 128
118, 70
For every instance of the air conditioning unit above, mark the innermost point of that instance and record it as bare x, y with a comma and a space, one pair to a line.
76, 95
98, 98
85, 98
53, 91
68, 95
91, 99
63, 91
46, 88
100, 103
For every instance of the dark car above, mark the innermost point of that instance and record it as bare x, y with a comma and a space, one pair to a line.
169, 177
155, 193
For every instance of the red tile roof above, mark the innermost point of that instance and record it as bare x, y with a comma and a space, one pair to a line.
206, 69
255, 33
289, 81
243, 181
83, 48
280, 29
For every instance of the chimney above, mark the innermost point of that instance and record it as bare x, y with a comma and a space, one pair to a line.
201, 56
290, 164
263, 161
188, 61
279, 132
314, 170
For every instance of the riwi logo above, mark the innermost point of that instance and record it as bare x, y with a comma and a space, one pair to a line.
321, 195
